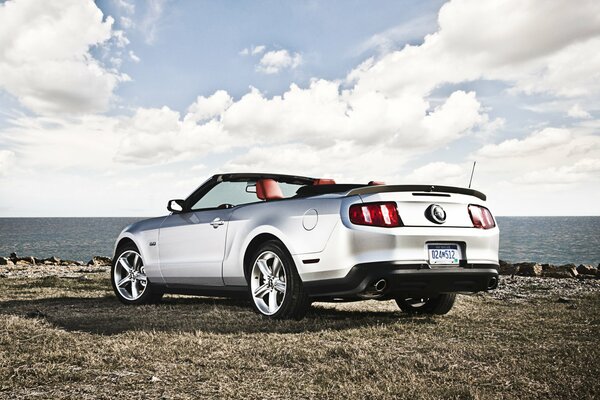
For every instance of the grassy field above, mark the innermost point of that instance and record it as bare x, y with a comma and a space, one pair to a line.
70, 338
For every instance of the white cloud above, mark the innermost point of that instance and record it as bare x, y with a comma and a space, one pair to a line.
577, 112
6, 160
585, 170
134, 57
388, 40
274, 61
539, 46
125, 5
45, 60
441, 173
258, 50
149, 24
209, 107
253, 50
374, 123
535, 143
126, 22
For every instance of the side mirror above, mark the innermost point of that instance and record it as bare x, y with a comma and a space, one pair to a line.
175, 206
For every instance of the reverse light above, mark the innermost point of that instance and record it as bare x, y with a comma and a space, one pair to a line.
375, 214
481, 217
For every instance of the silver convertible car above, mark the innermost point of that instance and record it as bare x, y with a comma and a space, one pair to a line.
285, 241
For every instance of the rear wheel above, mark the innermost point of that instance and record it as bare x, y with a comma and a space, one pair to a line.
275, 286
129, 280
440, 304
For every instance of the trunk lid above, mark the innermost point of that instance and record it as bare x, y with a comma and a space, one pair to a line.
416, 203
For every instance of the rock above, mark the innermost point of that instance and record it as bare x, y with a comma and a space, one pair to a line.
570, 268
98, 261
154, 379
506, 268
52, 260
529, 269
13, 257
587, 270
6, 261
562, 271
69, 262
552, 271
26, 260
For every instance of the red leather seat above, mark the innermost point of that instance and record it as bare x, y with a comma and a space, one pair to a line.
268, 189
376, 183
323, 181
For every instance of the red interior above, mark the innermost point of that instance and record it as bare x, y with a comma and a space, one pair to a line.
268, 189
323, 181
376, 183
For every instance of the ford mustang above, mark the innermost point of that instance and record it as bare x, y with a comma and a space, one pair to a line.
285, 241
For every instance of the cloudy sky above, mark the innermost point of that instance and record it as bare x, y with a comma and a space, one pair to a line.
113, 107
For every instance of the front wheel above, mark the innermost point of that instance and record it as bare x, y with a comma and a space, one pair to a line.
440, 304
275, 286
129, 280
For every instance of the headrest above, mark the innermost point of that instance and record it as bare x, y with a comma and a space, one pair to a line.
376, 183
323, 181
268, 189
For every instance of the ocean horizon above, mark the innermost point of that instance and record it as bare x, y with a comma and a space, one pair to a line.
553, 240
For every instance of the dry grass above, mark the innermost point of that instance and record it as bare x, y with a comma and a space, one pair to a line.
69, 338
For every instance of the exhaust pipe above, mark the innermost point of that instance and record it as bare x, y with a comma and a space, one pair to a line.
492, 283
380, 285
374, 290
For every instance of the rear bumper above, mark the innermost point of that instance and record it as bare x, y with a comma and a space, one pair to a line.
405, 280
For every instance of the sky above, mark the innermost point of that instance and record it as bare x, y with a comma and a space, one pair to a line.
111, 108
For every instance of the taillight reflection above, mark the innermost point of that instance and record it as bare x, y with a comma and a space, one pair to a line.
375, 214
481, 217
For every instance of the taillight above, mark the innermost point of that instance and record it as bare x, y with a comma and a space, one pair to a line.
375, 214
481, 217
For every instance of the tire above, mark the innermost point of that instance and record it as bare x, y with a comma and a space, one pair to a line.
132, 287
441, 304
275, 287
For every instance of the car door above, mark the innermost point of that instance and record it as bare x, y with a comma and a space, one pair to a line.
191, 246
192, 243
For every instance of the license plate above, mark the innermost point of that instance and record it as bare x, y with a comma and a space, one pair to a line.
446, 254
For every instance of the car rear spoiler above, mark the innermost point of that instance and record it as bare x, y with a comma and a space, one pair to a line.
415, 188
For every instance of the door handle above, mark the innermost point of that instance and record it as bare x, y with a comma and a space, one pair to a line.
217, 222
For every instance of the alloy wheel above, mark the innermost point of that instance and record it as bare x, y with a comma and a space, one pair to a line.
130, 276
268, 283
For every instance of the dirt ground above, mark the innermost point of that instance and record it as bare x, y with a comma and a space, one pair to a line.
68, 337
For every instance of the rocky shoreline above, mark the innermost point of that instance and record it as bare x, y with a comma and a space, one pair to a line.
14, 266
14, 263
566, 271
519, 282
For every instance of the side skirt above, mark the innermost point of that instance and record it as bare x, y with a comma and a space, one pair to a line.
215, 291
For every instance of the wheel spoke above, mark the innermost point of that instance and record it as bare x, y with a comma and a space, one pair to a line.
123, 281
125, 264
272, 301
276, 266
136, 262
279, 285
261, 290
264, 268
134, 289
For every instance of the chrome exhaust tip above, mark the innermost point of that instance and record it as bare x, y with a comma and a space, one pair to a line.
493, 283
380, 285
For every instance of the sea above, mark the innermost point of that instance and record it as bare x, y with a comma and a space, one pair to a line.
553, 240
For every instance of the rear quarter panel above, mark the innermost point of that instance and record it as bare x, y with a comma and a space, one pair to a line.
284, 219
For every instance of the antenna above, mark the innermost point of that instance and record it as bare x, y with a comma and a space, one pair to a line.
472, 172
